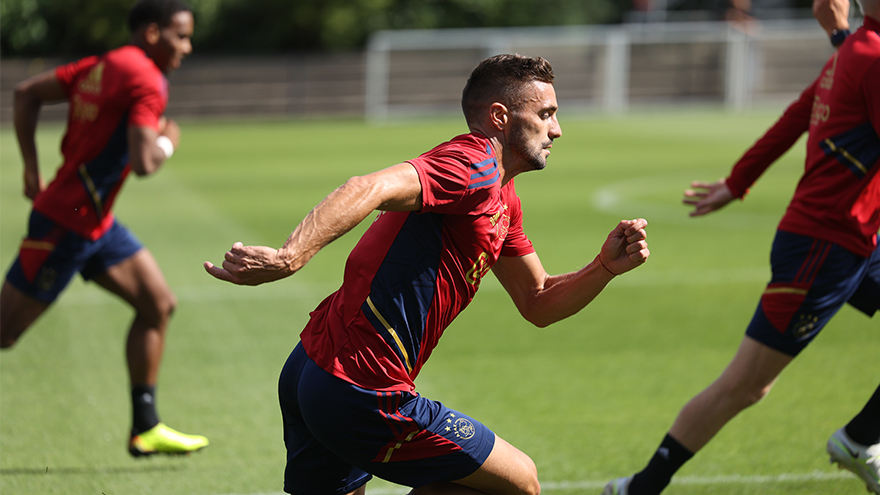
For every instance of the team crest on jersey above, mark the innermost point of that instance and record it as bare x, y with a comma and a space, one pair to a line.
92, 83
462, 427
805, 326
501, 222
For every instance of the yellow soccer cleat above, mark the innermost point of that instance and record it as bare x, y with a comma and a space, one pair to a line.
161, 439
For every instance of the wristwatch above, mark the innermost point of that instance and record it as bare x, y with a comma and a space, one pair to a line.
838, 35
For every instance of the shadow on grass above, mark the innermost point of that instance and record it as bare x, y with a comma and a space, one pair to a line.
88, 470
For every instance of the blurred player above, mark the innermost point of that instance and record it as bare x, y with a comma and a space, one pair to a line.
446, 218
825, 253
115, 125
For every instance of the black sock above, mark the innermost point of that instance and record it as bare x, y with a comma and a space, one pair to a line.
668, 459
143, 406
865, 427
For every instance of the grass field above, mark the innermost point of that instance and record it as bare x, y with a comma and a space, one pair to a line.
588, 398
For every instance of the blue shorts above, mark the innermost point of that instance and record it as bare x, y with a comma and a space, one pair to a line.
338, 434
51, 255
812, 279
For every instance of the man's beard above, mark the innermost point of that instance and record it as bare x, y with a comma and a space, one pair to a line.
519, 147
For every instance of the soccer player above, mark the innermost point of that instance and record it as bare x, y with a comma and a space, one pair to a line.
115, 125
447, 217
825, 254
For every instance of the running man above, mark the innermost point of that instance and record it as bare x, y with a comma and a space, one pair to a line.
115, 125
347, 392
825, 255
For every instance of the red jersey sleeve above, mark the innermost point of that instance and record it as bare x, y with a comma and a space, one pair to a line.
456, 180
774, 143
149, 95
67, 74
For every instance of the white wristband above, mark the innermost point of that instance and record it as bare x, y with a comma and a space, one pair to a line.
167, 146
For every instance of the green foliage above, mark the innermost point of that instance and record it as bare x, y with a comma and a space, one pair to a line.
68, 27
61, 27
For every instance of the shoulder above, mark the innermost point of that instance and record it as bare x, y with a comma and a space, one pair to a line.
468, 155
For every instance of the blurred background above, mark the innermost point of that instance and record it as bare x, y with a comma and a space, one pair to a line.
387, 58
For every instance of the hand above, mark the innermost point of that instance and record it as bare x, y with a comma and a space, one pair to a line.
250, 265
33, 185
707, 197
168, 127
626, 247
832, 14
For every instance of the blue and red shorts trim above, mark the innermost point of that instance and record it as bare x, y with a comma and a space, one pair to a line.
51, 255
812, 279
339, 435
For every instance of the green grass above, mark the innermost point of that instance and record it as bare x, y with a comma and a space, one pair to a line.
588, 398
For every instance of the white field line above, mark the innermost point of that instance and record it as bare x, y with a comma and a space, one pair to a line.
733, 479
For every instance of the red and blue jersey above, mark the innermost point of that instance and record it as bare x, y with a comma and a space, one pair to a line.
412, 273
107, 94
838, 196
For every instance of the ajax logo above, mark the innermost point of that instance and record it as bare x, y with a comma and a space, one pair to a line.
462, 427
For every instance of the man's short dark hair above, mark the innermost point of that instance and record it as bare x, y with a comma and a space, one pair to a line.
146, 12
501, 79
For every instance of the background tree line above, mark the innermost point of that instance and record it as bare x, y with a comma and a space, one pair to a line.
75, 27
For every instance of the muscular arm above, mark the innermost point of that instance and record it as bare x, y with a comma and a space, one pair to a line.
543, 299
145, 156
832, 14
30, 95
393, 189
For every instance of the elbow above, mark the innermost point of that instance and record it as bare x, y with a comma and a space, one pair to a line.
143, 166
538, 319
23, 97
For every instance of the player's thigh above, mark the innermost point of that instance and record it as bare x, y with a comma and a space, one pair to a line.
753, 369
139, 281
507, 470
867, 297
812, 279
399, 436
17, 312
311, 466
122, 265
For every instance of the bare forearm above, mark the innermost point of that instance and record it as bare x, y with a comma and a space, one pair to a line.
337, 214
564, 295
25, 117
395, 189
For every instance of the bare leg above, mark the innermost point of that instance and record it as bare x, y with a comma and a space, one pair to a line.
747, 379
18, 312
139, 281
507, 471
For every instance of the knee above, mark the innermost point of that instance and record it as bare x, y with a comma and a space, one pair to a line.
160, 309
165, 307
748, 394
530, 484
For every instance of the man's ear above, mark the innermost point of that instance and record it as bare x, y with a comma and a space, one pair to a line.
498, 115
152, 33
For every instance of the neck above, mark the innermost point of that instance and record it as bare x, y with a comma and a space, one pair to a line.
506, 169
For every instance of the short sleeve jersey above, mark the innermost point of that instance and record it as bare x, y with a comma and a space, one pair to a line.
412, 273
107, 94
838, 196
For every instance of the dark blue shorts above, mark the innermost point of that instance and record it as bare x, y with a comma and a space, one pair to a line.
51, 255
812, 279
338, 434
